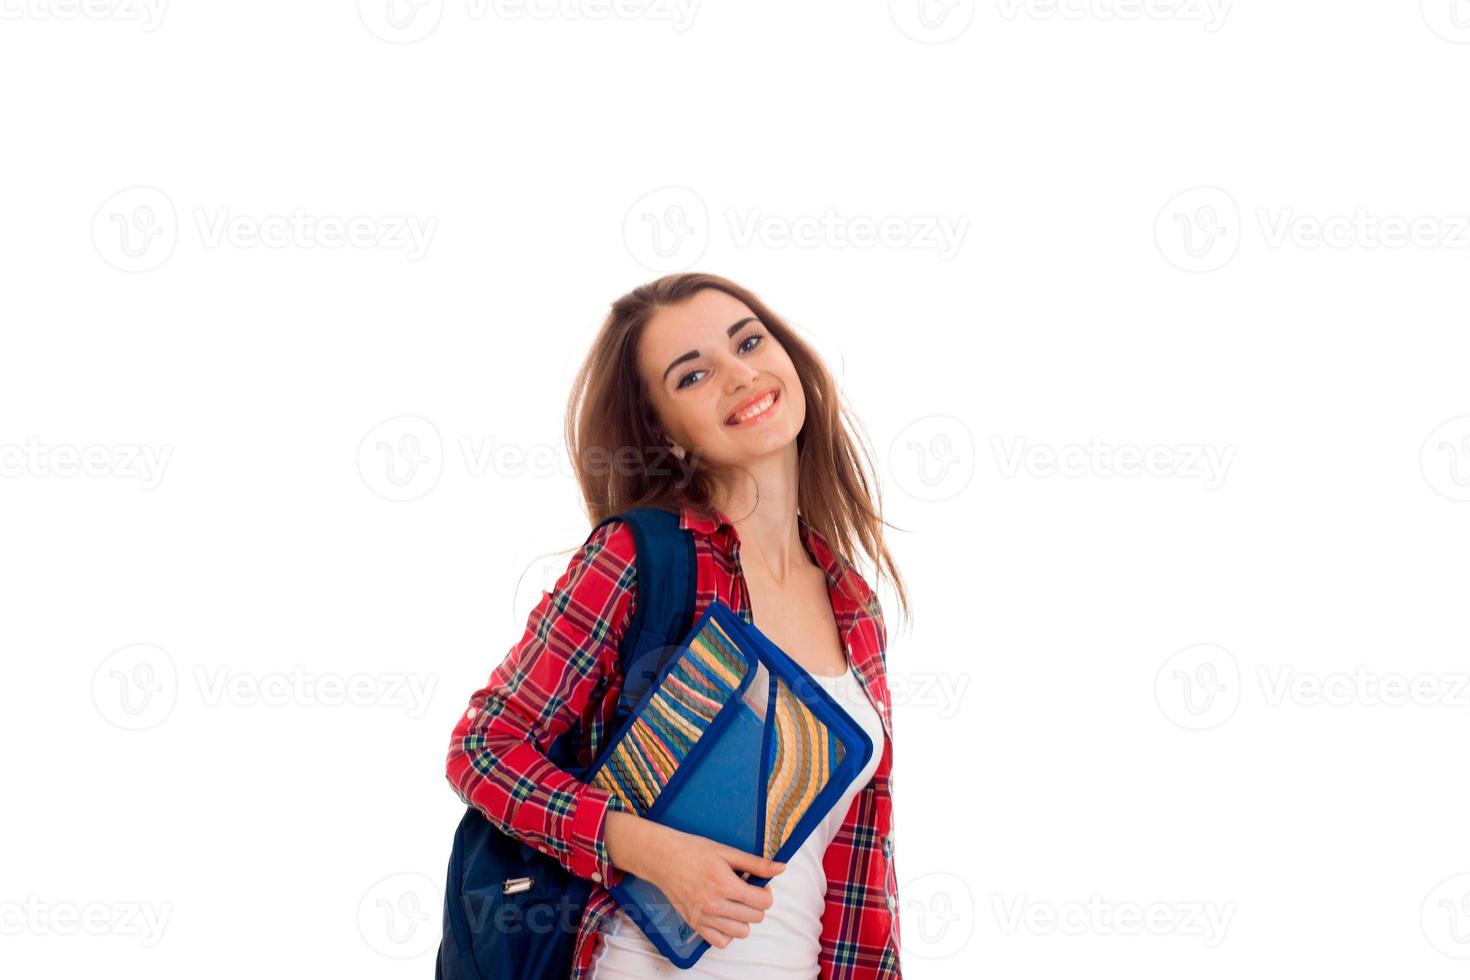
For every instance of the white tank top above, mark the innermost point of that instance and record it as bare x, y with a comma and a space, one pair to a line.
783, 945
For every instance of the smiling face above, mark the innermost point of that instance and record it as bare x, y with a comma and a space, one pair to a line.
720, 382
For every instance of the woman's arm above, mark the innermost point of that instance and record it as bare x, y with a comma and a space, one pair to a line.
629, 837
497, 756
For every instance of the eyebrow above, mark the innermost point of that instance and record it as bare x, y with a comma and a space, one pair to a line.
690, 355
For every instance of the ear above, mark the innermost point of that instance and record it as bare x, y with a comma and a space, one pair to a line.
673, 446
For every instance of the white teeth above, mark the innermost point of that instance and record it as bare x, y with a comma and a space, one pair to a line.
756, 409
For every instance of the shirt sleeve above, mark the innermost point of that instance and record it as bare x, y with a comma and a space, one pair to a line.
497, 755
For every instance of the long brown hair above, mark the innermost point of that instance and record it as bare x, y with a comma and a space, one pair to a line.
620, 453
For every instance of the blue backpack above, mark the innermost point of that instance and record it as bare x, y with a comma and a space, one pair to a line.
510, 911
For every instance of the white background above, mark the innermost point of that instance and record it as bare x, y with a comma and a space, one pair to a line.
1229, 231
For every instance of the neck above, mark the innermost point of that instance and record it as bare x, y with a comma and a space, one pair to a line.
761, 502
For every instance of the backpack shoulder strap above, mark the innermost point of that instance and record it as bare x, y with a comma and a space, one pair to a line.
664, 608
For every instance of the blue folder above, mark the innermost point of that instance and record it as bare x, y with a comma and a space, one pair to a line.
732, 741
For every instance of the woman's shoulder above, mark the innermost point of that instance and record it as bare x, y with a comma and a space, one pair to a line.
600, 579
863, 594
612, 540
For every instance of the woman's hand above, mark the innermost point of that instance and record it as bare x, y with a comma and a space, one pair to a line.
701, 878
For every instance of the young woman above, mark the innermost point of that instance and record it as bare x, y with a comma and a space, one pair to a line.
697, 398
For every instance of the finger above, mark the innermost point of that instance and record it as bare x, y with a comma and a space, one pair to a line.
729, 927
754, 863
739, 911
713, 936
756, 896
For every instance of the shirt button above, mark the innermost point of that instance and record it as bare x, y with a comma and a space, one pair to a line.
888, 844
892, 902
597, 876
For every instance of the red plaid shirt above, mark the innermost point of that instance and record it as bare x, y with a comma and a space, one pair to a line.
564, 671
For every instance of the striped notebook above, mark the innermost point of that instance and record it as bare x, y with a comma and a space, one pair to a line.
735, 742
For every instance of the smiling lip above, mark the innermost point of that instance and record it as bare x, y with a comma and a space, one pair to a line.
773, 393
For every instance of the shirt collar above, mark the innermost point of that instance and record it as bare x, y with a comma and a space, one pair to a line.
706, 519
843, 582
711, 521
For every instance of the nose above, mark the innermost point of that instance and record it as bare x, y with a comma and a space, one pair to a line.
742, 375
